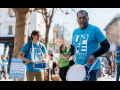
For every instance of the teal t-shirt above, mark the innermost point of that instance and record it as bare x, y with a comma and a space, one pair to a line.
37, 53
86, 42
4, 61
0, 64
117, 60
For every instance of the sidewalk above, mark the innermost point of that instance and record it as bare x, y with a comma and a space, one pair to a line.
106, 78
3, 79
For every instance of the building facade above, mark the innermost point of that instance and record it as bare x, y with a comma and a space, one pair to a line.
112, 30
58, 37
7, 28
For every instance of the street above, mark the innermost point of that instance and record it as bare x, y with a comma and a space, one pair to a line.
106, 78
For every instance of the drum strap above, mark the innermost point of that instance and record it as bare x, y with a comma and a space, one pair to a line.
87, 73
92, 66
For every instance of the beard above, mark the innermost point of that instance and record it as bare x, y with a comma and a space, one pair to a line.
83, 26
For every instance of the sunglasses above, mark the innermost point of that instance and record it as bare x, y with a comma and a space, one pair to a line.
39, 35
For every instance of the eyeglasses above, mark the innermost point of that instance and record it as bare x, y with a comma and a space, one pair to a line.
39, 35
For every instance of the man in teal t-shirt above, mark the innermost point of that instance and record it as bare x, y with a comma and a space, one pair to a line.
38, 50
85, 44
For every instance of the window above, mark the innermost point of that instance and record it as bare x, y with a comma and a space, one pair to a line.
10, 30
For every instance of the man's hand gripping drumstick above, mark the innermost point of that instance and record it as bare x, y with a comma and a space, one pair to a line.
90, 61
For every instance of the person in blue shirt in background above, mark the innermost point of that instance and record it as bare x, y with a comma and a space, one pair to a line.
0, 67
4, 66
85, 44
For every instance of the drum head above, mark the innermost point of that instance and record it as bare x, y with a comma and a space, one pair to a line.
75, 73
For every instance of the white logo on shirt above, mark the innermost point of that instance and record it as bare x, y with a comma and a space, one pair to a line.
80, 42
37, 53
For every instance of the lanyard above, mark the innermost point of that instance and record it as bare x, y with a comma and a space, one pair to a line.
32, 52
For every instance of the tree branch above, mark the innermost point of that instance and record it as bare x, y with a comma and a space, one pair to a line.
56, 10
44, 17
64, 12
39, 12
35, 9
14, 9
73, 10
50, 18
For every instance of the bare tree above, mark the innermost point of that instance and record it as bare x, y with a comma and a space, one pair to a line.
48, 19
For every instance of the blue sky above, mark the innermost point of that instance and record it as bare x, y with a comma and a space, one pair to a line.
99, 17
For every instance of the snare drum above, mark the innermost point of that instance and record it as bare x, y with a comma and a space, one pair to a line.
42, 65
77, 72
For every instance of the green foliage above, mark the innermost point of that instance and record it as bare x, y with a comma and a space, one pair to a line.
51, 43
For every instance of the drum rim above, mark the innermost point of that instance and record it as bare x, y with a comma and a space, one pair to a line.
74, 65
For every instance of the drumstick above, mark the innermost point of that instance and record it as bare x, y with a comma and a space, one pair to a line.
81, 66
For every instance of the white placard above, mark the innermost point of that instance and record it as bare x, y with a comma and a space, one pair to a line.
1, 48
17, 68
7, 49
112, 47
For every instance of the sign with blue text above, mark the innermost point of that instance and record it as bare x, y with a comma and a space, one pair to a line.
1, 48
112, 47
17, 68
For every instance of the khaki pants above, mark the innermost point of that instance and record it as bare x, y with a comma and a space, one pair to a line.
39, 76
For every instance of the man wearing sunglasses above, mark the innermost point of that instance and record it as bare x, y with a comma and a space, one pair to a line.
30, 71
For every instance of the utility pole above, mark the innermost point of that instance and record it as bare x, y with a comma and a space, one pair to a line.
63, 33
54, 43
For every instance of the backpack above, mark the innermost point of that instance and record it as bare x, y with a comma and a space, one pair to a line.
30, 46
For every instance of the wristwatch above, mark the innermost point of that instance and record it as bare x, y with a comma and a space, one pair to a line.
25, 59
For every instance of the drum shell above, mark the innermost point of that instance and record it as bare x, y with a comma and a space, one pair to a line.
72, 73
40, 65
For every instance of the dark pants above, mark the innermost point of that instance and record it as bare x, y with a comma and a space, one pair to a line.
93, 74
0, 75
5, 74
63, 72
118, 72
98, 73
54, 65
